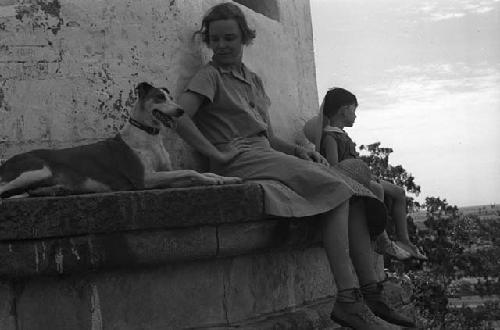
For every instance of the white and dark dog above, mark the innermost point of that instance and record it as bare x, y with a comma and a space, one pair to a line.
134, 159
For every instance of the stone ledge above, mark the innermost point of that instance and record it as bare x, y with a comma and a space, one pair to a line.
34, 218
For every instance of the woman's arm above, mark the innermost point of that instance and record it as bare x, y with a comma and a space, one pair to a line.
190, 102
331, 150
295, 150
279, 144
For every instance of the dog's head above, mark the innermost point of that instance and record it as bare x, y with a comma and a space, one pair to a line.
156, 107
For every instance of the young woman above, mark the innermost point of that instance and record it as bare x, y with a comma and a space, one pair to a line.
230, 107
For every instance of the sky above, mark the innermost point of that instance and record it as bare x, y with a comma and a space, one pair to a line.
427, 78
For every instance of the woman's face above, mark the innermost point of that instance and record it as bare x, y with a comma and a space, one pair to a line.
224, 39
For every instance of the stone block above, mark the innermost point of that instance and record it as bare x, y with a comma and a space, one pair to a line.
172, 297
265, 283
54, 304
268, 234
7, 306
31, 218
314, 278
242, 238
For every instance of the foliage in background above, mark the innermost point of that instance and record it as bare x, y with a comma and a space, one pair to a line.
458, 247
377, 159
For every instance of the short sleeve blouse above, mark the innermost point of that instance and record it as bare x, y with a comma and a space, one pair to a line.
236, 106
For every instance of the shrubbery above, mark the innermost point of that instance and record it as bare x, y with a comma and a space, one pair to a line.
451, 243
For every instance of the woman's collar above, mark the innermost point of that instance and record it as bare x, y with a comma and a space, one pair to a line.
242, 74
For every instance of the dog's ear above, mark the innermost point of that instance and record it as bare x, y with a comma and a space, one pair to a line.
143, 88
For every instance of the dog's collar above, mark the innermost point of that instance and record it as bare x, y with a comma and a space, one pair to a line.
147, 129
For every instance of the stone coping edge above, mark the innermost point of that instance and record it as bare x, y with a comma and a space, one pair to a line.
43, 217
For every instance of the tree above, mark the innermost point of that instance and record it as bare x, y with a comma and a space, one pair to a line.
449, 242
377, 159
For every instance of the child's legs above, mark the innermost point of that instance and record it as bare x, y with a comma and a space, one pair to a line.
336, 243
377, 189
398, 211
360, 244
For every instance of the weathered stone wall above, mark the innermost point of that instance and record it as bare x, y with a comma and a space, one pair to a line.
68, 67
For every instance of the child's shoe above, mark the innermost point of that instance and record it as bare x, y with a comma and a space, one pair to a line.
351, 311
380, 306
384, 246
412, 250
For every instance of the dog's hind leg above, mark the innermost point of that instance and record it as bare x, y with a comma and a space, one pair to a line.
25, 180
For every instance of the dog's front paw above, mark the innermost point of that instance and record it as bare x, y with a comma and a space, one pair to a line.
217, 179
232, 180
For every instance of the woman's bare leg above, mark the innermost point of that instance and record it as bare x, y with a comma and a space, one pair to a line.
360, 244
377, 189
336, 243
350, 309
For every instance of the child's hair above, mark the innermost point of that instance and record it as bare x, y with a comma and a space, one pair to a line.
225, 11
336, 98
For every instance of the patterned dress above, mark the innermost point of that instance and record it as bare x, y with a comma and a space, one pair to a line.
346, 148
236, 107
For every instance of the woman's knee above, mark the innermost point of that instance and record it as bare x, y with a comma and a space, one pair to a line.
377, 189
394, 191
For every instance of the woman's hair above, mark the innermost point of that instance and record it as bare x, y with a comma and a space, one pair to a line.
225, 11
336, 98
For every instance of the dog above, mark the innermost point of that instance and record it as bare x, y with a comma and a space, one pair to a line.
134, 159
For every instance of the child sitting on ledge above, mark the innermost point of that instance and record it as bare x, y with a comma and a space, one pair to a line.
327, 133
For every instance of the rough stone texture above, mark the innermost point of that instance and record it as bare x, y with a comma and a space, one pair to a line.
147, 245
239, 238
399, 291
81, 254
313, 316
266, 283
215, 292
115, 212
7, 307
68, 68
174, 297
53, 304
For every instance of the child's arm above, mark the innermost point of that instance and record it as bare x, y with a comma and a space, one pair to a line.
331, 150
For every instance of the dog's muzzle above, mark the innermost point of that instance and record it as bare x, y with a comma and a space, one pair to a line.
165, 119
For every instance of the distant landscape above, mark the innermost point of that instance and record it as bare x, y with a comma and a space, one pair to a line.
459, 287
481, 209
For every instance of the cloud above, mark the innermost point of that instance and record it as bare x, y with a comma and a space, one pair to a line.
421, 84
445, 16
446, 10
441, 120
484, 10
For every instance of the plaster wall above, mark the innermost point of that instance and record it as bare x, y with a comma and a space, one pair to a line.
68, 68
